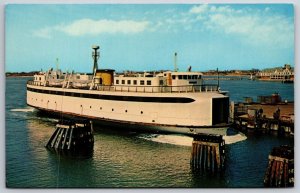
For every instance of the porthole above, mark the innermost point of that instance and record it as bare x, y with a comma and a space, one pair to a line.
142, 112
125, 111
100, 108
90, 107
112, 109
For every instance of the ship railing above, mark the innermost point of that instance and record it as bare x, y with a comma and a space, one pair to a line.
151, 89
160, 89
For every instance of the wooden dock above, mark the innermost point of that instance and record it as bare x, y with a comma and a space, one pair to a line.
264, 117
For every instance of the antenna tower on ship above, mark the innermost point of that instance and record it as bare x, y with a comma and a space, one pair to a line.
96, 56
57, 64
175, 62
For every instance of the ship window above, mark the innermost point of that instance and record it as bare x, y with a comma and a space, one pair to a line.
134, 82
128, 81
112, 109
184, 77
142, 112
142, 82
90, 107
173, 77
117, 81
100, 108
40, 78
123, 81
148, 82
189, 77
125, 111
179, 76
161, 82
199, 76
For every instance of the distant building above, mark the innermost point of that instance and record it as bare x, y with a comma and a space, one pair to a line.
277, 74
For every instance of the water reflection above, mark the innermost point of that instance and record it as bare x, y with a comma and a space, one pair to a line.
206, 179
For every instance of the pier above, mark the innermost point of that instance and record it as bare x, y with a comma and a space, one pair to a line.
224, 78
208, 153
266, 115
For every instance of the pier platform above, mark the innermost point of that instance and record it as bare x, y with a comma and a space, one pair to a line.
264, 117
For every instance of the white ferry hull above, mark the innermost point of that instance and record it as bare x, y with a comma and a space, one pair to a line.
188, 114
144, 127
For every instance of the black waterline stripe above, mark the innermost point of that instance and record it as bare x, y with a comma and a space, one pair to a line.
116, 97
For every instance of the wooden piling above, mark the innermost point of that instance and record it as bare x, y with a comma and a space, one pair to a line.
280, 170
208, 153
71, 136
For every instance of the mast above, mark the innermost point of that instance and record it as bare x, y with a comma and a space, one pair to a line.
218, 78
57, 64
175, 62
95, 56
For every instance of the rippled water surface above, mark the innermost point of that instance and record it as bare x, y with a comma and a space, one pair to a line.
124, 158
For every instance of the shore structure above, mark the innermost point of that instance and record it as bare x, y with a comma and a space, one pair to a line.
284, 74
170, 101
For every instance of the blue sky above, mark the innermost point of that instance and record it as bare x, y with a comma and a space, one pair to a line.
145, 37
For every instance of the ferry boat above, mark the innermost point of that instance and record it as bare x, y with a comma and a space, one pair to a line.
169, 101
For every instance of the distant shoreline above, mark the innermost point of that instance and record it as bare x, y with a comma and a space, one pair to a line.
19, 76
31, 74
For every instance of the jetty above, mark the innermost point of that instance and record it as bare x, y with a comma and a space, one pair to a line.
224, 78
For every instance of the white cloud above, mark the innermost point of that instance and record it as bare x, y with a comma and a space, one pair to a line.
252, 26
92, 27
43, 33
95, 27
199, 9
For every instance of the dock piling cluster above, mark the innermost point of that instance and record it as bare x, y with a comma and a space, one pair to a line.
280, 170
208, 153
71, 136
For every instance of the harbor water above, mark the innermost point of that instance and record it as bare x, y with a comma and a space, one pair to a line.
123, 158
